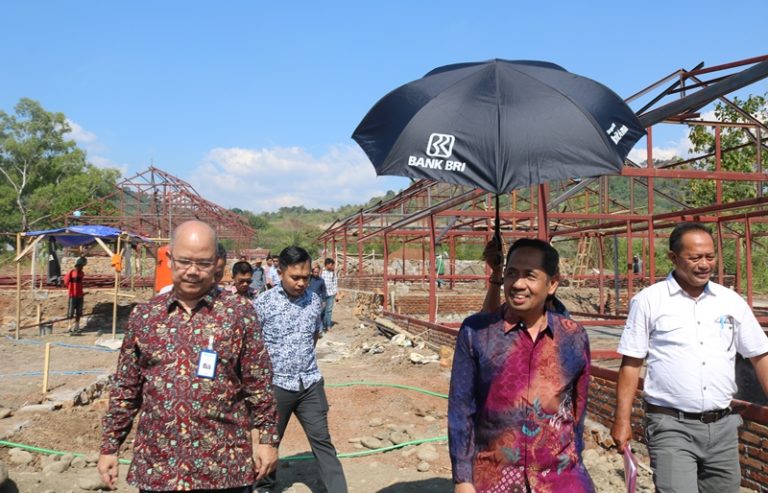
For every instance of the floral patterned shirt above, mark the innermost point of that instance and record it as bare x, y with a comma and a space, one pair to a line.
516, 406
193, 432
289, 326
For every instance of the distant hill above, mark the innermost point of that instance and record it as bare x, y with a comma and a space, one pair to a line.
298, 225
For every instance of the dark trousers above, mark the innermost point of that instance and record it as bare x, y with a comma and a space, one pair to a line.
241, 489
311, 408
75, 307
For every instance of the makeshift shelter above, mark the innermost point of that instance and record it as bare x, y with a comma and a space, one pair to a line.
73, 236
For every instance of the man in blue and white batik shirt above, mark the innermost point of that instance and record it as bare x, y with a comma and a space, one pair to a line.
290, 318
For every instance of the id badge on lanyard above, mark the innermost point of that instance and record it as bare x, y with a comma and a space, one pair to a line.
206, 363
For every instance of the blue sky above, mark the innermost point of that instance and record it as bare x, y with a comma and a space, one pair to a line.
254, 102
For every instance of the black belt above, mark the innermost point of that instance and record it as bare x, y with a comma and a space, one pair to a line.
705, 417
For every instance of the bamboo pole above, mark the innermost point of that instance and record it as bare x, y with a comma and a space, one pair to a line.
39, 317
46, 365
32, 269
18, 285
117, 289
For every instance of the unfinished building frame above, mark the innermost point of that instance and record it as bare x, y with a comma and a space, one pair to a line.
152, 203
583, 217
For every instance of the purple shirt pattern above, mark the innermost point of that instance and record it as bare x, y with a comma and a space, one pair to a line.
516, 407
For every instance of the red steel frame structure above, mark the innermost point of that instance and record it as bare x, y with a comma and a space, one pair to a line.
583, 211
153, 202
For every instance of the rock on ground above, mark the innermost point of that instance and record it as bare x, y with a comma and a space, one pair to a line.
427, 453
371, 442
91, 483
56, 468
21, 457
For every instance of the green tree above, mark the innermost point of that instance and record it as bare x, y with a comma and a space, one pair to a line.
702, 192
38, 164
57, 199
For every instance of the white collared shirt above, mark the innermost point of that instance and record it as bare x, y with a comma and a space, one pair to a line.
691, 344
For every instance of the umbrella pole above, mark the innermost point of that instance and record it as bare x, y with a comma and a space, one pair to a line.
497, 235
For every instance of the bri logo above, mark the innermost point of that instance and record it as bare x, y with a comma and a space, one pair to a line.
616, 133
440, 145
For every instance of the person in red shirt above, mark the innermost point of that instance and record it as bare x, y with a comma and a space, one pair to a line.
74, 283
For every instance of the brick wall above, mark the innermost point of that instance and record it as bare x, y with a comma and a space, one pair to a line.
418, 304
434, 333
602, 400
753, 448
361, 283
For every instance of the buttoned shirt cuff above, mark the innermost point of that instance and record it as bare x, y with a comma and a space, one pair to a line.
108, 449
269, 439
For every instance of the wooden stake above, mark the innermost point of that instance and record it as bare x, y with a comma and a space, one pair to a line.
46, 364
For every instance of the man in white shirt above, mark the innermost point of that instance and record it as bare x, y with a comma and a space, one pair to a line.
689, 329
273, 277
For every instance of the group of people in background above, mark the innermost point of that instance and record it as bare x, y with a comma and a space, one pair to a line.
251, 280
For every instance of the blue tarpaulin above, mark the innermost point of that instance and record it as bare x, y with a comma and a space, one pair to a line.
72, 236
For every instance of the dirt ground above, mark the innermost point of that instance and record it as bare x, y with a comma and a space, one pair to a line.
357, 411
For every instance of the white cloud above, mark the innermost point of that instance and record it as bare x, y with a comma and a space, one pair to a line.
674, 148
81, 135
103, 162
270, 178
94, 149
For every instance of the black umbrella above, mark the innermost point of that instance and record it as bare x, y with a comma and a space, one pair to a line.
499, 125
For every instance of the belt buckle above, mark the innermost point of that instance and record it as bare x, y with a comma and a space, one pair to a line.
716, 415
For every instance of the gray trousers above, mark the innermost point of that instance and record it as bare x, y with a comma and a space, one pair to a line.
688, 456
311, 408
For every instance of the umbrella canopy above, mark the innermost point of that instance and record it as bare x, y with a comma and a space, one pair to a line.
499, 125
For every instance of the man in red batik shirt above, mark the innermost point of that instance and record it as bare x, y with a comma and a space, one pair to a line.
194, 364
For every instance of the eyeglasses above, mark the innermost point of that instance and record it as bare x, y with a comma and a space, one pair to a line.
185, 264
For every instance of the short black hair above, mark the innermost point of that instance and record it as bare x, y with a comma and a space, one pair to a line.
676, 238
551, 257
221, 250
293, 255
329, 261
241, 267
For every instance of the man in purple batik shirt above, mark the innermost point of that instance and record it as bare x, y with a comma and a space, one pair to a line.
519, 387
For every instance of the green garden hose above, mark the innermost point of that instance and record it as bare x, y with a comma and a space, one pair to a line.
345, 455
